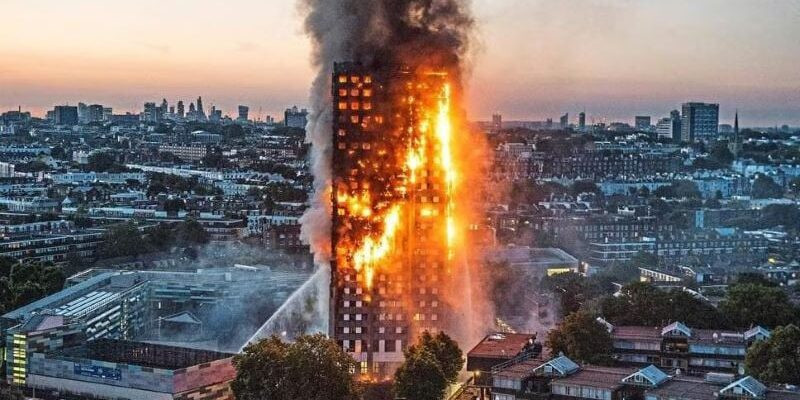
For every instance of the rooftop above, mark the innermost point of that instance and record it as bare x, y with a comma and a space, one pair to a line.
597, 377
142, 354
686, 388
502, 345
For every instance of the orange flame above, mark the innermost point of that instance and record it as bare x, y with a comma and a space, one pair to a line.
428, 151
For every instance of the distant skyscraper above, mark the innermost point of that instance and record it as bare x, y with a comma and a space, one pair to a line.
699, 121
201, 114
83, 113
214, 115
564, 120
152, 113
295, 118
107, 112
180, 109
675, 117
65, 115
582, 121
243, 113
642, 123
497, 122
95, 113
670, 127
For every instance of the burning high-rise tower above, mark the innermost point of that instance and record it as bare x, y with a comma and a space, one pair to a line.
393, 225
389, 172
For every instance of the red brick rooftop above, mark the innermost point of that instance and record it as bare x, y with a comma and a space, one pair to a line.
502, 345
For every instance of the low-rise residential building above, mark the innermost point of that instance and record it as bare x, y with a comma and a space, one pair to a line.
34, 205
560, 378
191, 152
720, 243
677, 346
52, 247
102, 177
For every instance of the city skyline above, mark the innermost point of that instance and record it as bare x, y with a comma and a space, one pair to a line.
616, 59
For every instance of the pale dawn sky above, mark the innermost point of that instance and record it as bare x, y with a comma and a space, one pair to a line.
533, 59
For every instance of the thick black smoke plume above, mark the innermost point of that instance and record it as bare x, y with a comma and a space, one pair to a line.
383, 35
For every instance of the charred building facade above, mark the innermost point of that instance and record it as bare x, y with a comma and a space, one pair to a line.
392, 226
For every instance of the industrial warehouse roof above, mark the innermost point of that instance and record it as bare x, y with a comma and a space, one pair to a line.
93, 292
42, 323
65, 295
140, 353
86, 303
524, 255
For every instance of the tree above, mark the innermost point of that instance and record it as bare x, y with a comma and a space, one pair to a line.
214, 159
644, 304
644, 259
445, 350
6, 264
766, 188
621, 273
721, 154
777, 359
420, 377
573, 290
190, 232
102, 161
174, 205
28, 282
753, 304
754, 278
314, 368
122, 240
686, 189
579, 187
787, 215
580, 337
713, 203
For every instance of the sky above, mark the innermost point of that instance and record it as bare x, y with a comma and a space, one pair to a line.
532, 59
